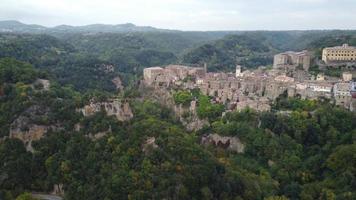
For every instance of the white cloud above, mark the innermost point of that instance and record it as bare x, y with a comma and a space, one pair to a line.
186, 14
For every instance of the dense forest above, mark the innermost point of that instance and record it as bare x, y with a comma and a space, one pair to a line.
225, 53
307, 154
302, 149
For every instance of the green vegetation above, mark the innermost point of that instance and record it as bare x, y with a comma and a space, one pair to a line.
306, 152
25, 196
183, 97
18, 95
331, 70
331, 41
284, 103
206, 109
225, 53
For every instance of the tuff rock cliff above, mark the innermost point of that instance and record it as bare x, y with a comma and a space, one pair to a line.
230, 143
114, 107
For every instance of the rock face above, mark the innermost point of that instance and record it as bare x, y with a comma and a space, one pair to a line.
122, 111
189, 118
107, 68
58, 190
195, 124
31, 133
230, 143
118, 83
44, 83
27, 128
186, 115
150, 143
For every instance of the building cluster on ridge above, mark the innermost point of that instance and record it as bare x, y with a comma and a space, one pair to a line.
257, 89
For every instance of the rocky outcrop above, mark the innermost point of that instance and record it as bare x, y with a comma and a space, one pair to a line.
32, 132
99, 135
187, 115
42, 83
230, 143
121, 110
27, 127
195, 124
189, 118
107, 68
118, 83
58, 190
149, 144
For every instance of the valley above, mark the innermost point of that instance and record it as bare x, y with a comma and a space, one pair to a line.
136, 112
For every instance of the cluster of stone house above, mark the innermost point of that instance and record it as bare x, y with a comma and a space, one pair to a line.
256, 89
171, 74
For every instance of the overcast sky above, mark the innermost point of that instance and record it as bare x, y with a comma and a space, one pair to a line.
188, 14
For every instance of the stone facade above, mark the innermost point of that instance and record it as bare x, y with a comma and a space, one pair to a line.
339, 54
291, 60
342, 94
171, 74
347, 76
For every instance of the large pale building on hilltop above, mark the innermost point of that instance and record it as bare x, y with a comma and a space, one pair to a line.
339, 54
291, 60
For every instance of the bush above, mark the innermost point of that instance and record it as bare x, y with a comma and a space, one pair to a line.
183, 97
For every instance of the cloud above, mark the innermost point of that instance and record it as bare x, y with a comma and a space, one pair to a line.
187, 14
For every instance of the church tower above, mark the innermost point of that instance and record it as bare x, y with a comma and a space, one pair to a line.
238, 71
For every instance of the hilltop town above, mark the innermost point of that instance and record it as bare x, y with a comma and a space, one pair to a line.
259, 88
133, 112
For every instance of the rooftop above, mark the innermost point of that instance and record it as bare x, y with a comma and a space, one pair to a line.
344, 46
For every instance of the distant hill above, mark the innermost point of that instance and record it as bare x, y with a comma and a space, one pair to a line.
18, 27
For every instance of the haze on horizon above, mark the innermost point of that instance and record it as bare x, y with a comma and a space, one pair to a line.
202, 15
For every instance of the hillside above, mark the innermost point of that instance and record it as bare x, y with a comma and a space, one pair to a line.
39, 50
305, 155
61, 59
75, 117
224, 54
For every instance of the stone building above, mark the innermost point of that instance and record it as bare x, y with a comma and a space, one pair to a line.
278, 86
238, 72
320, 77
347, 76
339, 54
313, 89
342, 94
261, 105
150, 74
171, 73
292, 60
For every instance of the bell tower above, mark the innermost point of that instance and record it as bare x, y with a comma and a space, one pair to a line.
238, 71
